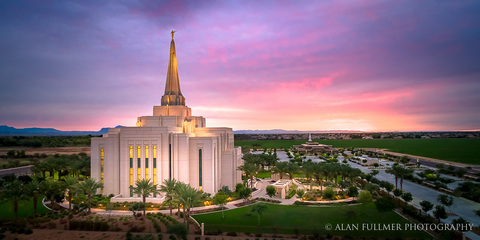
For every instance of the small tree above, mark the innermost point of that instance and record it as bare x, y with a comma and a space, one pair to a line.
352, 191
300, 193
109, 209
389, 187
426, 205
445, 200
439, 212
136, 207
477, 212
271, 191
407, 197
89, 187
245, 193
220, 199
14, 192
144, 188
461, 224
259, 208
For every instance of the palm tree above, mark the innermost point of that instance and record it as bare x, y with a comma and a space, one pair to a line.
292, 168
169, 187
399, 172
281, 168
318, 173
188, 197
250, 170
51, 188
33, 189
309, 170
144, 188
14, 191
89, 187
70, 183
394, 172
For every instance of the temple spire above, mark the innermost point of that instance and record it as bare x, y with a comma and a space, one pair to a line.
172, 95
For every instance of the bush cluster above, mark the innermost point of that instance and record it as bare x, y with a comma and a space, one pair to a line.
88, 225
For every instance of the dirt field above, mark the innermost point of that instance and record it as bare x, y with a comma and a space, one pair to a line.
48, 151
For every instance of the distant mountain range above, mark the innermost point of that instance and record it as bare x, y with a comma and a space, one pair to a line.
11, 131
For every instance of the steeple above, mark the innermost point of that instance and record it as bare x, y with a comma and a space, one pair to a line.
172, 96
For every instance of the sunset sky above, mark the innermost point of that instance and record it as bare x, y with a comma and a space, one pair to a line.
295, 65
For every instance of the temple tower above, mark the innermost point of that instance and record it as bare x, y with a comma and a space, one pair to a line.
172, 96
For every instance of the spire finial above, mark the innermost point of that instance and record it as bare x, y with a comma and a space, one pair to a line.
173, 32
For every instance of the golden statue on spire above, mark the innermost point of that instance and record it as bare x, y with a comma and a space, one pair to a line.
173, 32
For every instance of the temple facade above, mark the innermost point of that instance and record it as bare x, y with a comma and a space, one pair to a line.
169, 144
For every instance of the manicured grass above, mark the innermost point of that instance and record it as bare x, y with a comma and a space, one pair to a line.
25, 209
464, 150
264, 174
283, 219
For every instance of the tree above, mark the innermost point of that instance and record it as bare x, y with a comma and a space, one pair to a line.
300, 193
136, 207
188, 197
373, 188
250, 170
14, 191
388, 187
33, 189
426, 206
407, 197
109, 209
309, 168
51, 188
329, 193
477, 212
259, 208
364, 196
399, 172
144, 188
271, 191
292, 168
220, 199
89, 188
280, 168
70, 183
352, 191
461, 224
445, 200
439, 212
169, 187
245, 193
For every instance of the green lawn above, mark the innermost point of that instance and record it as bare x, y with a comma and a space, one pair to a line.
25, 209
464, 150
283, 219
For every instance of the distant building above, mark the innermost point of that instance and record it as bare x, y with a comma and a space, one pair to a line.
170, 144
313, 147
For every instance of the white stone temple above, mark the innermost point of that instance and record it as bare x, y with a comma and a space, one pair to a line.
170, 144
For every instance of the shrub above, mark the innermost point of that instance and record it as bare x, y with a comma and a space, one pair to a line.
328, 193
364, 196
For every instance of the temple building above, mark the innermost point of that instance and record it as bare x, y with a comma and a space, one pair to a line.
312, 147
170, 144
